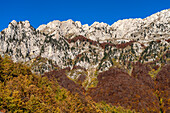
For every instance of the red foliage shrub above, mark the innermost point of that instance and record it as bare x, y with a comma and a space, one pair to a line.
125, 44
115, 86
65, 82
140, 71
162, 84
104, 44
92, 42
158, 41
82, 39
142, 45
168, 40
79, 67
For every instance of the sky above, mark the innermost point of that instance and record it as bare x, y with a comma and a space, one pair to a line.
86, 11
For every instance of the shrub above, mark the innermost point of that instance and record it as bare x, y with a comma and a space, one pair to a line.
116, 87
162, 83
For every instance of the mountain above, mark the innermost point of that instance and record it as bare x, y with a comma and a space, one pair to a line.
96, 47
81, 68
156, 25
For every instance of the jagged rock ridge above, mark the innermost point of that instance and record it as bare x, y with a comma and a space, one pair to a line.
69, 44
153, 27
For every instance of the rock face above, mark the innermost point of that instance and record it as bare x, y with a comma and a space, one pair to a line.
153, 27
68, 43
118, 88
19, 40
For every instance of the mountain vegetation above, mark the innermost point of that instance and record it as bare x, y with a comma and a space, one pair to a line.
22, 91
66, 67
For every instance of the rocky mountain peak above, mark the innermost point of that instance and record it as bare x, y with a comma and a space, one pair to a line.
127, 29
69, 43
131, 56
163, 15
13, 22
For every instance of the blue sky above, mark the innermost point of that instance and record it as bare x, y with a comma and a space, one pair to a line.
87, 11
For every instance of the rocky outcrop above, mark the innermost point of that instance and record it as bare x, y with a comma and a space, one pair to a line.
153, 27
20, 40
68, 43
